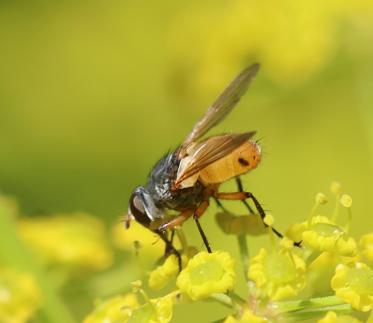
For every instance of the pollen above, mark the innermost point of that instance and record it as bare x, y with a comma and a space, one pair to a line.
206, 274
346, 201
354, 284
321, 198
269, 220
336, 188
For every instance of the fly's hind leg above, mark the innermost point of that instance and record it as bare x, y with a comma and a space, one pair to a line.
242, 196
240, 189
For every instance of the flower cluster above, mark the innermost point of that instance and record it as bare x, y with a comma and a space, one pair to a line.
75, 241
317, 271
278, 34
19, 296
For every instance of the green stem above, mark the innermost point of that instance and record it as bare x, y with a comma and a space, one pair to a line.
15, 254
237, 298
317, 312
327, 301
349, 220
336, 208
244, 252
225, 300
312, 213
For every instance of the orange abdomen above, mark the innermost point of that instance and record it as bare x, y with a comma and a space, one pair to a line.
240, 161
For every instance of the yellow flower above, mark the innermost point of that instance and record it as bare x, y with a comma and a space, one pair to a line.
137, 236
323, 235
19, 296
279, 275
321, 199
296, 230
207, 274
370, 318
77, 241
336, 188
332, 317
346, 201
366, 245
246, 317
238, 225
292, 39
114, 310
286, 243
319, 273
160, 276
354, 284
158, 310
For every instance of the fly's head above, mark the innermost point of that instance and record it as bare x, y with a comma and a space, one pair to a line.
142, 208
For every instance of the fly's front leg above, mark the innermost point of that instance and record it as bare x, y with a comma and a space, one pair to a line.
242, 196
170, 249
171, 224
176, 221
167, 250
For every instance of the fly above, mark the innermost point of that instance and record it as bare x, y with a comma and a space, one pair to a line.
186, 179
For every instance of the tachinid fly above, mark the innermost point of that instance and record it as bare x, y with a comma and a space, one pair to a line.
186, 179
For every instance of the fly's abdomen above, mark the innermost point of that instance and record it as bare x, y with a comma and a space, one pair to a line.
238, 162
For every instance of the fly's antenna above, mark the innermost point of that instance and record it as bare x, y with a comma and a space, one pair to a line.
127, 219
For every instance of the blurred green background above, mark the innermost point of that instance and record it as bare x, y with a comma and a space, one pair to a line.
93, 93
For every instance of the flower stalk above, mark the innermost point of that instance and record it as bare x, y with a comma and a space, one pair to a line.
244, 253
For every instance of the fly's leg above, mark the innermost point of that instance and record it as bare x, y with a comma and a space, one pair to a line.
241, 196
176, 221
167, 249
172, 236
197, 214
220, 205
240, 189
171, 224
183, 216
170, 249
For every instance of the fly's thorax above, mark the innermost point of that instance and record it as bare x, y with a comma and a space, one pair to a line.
161, 186
238, 162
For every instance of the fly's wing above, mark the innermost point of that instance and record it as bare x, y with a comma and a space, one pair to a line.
223, 104
209, 151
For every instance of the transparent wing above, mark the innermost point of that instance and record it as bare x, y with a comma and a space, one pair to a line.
223, 104
209, 151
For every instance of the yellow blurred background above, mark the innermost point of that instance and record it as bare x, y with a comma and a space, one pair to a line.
93, 93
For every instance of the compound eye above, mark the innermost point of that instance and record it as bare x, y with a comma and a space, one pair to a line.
138, 210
